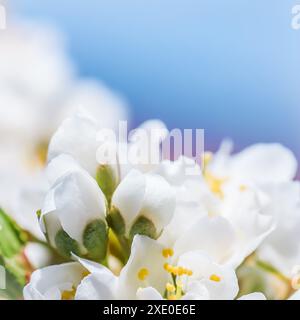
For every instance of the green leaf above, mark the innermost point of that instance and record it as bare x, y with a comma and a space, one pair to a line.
12, 241
14, 289
12, 238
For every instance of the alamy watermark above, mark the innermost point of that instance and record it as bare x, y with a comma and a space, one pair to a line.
2, 17
149, 146
296, 17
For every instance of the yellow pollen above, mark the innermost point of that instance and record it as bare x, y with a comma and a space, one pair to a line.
143, 274
170, 287
168, 252
189, 272
168, 267
215, 184
68, 295
215, 278
175, 271
172, 297
181, 271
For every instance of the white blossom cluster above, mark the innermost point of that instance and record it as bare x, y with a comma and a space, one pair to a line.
230, 230
140, 232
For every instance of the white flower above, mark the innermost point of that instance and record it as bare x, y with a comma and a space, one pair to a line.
82, 137
54, 282
146, 275
140, 204
242, 209
145, 202
268, 170
153, 267
150, 275
282, 246
73, 215
259, 163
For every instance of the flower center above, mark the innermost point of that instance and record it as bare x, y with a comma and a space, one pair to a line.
70, 294
174, 290
215, 184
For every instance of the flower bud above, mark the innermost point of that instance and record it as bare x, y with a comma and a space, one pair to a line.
107, 180
73, 216
142, 204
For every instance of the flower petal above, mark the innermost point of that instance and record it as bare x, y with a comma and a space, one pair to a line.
77, 200
253, 296
77, 138
59, 166
159, 201
146, 256
213, 235
148, 293
220, 281
129, 195
264, 163
49, 282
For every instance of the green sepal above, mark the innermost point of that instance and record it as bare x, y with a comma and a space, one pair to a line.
106, 180
116, 221
95, 240
65, 245
143, 226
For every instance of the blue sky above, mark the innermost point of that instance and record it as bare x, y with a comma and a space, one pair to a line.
231, 67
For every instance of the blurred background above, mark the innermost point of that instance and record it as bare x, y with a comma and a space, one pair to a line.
231, 67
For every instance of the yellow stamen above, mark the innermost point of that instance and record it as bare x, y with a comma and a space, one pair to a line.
215, 278
172, 297
170, 287
179, 284
181, 271
168, 252
189, 273
215, 184
207, 157
143, 274
169, 268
